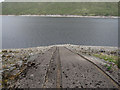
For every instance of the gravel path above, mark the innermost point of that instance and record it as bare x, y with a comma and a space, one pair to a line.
58, 68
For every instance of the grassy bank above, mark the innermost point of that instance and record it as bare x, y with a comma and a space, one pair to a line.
110, 58
63, 8
108, 55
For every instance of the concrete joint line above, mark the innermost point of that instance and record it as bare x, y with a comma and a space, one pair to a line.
59, 76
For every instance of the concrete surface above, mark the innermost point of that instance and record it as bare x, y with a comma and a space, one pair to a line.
60, 68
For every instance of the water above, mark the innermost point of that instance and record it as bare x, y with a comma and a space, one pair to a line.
24, 32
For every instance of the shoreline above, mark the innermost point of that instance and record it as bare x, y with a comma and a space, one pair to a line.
67, 16
108, 47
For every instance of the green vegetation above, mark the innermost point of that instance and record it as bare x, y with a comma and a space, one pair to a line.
108, 67
118, 8
109, 58
61, 8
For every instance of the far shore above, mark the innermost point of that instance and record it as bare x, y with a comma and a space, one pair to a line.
67, 16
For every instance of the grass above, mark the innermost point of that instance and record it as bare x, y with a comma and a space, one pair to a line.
108, 67
109, 58
61, 8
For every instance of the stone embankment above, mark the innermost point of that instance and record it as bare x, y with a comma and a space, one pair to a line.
14, 61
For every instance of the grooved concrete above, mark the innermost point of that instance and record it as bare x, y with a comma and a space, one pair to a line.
79, 73
59, 67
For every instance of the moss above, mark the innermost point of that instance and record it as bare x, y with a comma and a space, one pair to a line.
108, 67
109, 58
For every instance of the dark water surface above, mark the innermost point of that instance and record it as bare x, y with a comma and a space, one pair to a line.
23, 31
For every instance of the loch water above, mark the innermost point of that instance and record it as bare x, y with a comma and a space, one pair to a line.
32, 31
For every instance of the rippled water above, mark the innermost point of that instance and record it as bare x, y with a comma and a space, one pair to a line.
23, 31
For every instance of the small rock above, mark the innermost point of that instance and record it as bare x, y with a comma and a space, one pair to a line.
97, 84
102, 50
73, 82
53, 68
99, 81
10, 51
19, 63
66, 76
29, 64
8, 56
67, 69
4, 51
11, 68
31, 75
33, 63
3, 55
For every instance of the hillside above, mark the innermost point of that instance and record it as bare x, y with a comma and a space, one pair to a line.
63, 8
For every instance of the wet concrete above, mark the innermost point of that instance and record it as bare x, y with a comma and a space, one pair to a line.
59, 67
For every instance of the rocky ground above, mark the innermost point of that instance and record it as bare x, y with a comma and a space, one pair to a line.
15, 61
